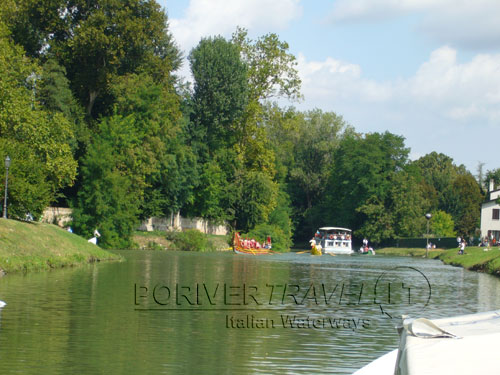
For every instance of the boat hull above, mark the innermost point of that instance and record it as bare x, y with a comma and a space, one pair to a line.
338, 250
252, 251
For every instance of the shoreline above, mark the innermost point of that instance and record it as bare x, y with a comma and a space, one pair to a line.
39, 246
480, 259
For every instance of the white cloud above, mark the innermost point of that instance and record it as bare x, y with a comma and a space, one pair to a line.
337, 80
453, 90
205, 18
467, 23
446, 105
462, 91
360, 10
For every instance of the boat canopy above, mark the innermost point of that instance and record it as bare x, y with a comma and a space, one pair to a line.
335, 228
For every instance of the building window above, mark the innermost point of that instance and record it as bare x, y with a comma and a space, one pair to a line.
496, 214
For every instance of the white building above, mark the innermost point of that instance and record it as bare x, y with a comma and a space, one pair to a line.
490, 214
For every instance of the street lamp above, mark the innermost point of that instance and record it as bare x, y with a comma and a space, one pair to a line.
7, 165
428, 217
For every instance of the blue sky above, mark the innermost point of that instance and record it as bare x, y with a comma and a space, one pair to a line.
428, 70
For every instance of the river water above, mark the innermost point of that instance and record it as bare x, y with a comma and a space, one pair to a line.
222, 313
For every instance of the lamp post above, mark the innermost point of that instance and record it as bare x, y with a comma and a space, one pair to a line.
7, 165
428, 217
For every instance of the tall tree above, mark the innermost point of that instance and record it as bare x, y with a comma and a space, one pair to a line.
408, 205
220, 92
42, 136
272, 69
363, 175
112, 183
317, 136
108, 199
454, 189
466, 210
96, 40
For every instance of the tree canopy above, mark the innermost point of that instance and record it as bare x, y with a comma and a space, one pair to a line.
93, 116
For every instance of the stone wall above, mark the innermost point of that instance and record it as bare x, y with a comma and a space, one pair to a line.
177, 222
62, 216
57, 215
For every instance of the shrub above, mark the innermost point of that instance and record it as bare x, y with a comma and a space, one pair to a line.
190, 240
281, 242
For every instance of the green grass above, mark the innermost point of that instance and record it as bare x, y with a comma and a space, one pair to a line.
40, 246
475, 258
410, 252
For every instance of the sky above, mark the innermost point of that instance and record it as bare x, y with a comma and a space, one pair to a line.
428, 70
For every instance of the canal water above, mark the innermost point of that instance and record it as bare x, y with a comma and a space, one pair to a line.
221, 313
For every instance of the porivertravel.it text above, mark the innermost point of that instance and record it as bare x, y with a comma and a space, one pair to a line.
224, 294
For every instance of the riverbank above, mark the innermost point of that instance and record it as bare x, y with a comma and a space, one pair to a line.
161, 240
480, 259
40, 246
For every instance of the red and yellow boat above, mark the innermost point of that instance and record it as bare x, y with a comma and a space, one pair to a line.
240, 248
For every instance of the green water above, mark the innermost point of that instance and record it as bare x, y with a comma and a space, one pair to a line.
221, 313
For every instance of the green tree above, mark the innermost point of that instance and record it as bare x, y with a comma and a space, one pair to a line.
111, 194
209, 197
442, 225
54, 94
166, 164
492, 175
29, 191
439, 172
281, 215
378, 223
257, 201
408, 205
272, 70
466, 210
217, 106
363, 176
316, 137
97, 40
45, 135
453, 188
220, 92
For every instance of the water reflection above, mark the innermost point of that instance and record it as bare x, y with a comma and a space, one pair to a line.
89, 320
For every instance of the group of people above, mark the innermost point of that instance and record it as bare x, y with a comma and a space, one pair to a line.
489, 241
252, 244
332, 236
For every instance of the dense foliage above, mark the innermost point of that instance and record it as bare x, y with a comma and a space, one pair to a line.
93, 116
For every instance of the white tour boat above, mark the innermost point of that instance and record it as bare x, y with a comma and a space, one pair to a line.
335, 240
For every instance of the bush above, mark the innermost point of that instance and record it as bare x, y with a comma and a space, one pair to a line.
280, 241
190, 240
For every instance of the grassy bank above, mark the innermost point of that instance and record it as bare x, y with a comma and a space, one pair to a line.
475, 258
39, 246
409, 252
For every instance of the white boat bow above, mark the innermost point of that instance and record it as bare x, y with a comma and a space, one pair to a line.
461, 345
